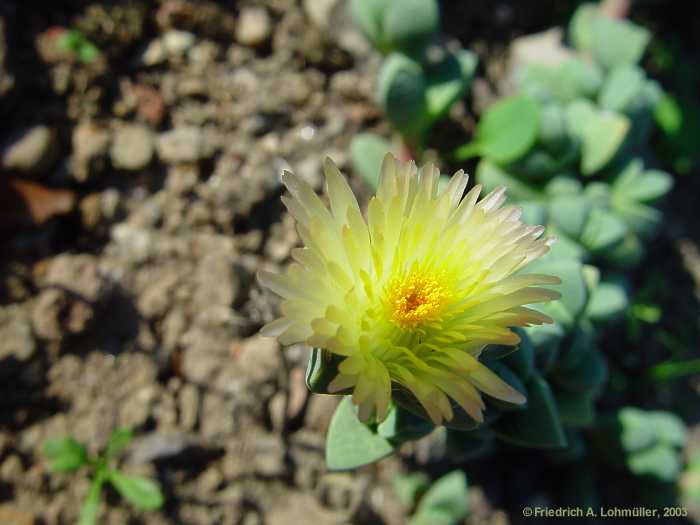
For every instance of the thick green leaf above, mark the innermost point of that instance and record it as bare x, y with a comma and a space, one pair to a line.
635, 184
574, 294
403, 425
432, 516
367, 15
616, 42
581, 26
669, 428
566, 247
553, 133
350, 443
545, 339
512, 379
465, 446
118, 441
402, 86
608, 301
570, 213
367, 151
447, 81
578, 113
491, 176
602, 135
575, 409
534, 213
409, 25
522, 361
627, 254
575, 78
65, 454
409, 487
321, 370
603, 231
539, 164
623, 85
495, 352
575, 447
142, 493
539, 426
659, 461
580, 344
585, 76
588, 376
634, 428
446, 497
506, 131
598, 193
563, 185
641, 219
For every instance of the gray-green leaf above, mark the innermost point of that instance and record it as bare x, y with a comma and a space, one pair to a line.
350, 443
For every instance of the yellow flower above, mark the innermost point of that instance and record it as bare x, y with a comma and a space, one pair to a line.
412, 295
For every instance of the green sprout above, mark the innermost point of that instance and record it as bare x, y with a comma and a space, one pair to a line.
444, 502
68, 455
75, 43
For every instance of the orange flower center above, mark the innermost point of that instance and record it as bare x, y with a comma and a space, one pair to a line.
414, 298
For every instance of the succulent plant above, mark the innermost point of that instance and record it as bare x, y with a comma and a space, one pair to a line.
407, 26
646, 443
420, 79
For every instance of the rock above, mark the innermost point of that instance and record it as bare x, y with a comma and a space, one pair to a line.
189, 406
133, 242
320, 411
181, 179
217, 416
155, 53
157, 446
320, 11
155, 301
11, 469
90, 145
12, 515
300, 507
209, 481
199, 359
26, 202
178, 42
338, 491
91, 211
259, 358
135, 411
31, 150
269, 452
16, 335
150, 106
254, 26
546, 48
132, 147
181, 145
73, 290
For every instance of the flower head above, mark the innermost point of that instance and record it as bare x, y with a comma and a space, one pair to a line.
411, 295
